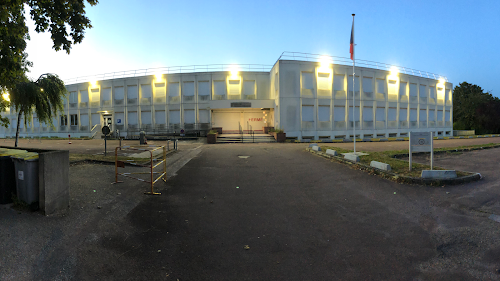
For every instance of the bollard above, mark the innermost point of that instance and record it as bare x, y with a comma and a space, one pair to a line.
142, 137
69, 139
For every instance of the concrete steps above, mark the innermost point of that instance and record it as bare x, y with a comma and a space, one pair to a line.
237, 138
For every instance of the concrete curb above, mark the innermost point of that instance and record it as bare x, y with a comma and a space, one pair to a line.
398, 156
398, 178
386, 139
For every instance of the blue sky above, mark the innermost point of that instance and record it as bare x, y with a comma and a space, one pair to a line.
457, 39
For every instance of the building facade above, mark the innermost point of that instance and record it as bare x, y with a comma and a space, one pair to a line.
307, 99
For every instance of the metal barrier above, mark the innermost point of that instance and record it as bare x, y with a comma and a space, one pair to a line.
151, 164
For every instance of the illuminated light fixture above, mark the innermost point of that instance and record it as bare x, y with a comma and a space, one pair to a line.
158, 77
441, 80
325, 64
93, 82
394, 71
234, 69
41, 89
6, 96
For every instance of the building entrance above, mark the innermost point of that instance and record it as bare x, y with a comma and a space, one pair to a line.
234, 120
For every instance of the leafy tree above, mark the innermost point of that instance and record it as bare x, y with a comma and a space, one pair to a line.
64, 19
474, 109
43, 97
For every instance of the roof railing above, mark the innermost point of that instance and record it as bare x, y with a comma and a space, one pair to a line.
362, 63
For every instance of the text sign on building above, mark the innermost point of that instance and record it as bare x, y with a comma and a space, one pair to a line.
420, 141
241, 104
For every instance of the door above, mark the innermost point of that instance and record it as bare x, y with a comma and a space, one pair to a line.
108, 121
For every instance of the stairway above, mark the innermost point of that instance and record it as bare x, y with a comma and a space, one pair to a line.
245, 138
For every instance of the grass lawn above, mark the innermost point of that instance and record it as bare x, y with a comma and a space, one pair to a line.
401, 167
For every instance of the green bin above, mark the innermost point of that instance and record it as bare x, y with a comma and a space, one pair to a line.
7, 174
26, 171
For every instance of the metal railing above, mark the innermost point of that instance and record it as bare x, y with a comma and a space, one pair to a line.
169, 70
362, 63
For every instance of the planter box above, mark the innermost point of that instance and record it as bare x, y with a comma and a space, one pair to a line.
266, 129
211, 138
218, 129
279, 137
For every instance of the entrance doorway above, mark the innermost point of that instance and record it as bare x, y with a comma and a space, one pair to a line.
247, 120
107, 120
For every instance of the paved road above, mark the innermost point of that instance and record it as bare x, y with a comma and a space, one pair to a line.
301, 216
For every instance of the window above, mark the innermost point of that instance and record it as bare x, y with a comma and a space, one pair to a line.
160, 117
189, 116
249, 88
338, 82
447, 94
324, 113
220, 88
413, 90
423, 115
173, 89
307, 80
95, 94
432, 92
119, 93
380, 114
356, 84
440, 115
106, 94
64, 120
339, 113
324, 81
132, 92
423, 93
84, 96
356, 114
234, 87
402, 88
203, 115
145, 117
447, 116
146, 91
391, 114
431, 115
307, 113
380, 86
403, 114
73, 97
132, 118
188, 89
367, 114
174, 117
74, 119
367, 85
160, 90
203, 88
413, 115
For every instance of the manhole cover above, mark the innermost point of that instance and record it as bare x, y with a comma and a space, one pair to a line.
244, 157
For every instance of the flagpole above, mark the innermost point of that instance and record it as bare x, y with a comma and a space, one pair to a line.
353, 93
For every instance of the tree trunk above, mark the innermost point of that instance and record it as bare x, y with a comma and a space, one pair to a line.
17, 129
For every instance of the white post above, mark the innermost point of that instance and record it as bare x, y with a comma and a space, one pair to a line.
432, 149
409, 151
353, 93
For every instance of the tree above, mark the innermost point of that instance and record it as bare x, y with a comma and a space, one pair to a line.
64, 19
43, 97
474, 109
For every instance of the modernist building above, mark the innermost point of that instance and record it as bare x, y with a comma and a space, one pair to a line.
308, 96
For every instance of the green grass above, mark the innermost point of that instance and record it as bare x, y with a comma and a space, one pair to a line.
401, 167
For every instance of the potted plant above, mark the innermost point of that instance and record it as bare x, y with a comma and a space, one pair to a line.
212, 137
279, 134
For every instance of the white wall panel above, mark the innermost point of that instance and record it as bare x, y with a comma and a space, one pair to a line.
423, 115
432, 92
402, 89
249, 87
380, 86
160, 90
403, 114
96, 119
219, 88
413, 90
440, 115
84, 119
431, 115
204, 116
447, 116
324, 82
356, 113
392, 114
339, 113
234, 87
413, 115
95, 94
422, 91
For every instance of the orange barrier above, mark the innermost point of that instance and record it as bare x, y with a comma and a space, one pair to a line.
150, 164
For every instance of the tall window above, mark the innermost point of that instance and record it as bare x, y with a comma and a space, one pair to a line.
74, 119
64, 120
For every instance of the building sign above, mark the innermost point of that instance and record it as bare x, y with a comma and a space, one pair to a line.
241, 104
421, 142
255, 119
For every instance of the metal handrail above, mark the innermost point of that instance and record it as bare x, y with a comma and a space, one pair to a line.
93, 128
363, 63
169, 70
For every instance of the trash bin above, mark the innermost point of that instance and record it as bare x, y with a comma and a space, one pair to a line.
26, 171
142, 137
7, 174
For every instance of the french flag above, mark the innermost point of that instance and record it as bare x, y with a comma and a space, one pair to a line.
352, 40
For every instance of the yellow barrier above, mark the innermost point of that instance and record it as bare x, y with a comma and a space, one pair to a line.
150, 164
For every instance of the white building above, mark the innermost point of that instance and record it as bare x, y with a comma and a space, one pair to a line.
308, 96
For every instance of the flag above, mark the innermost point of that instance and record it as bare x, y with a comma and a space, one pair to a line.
352, 40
